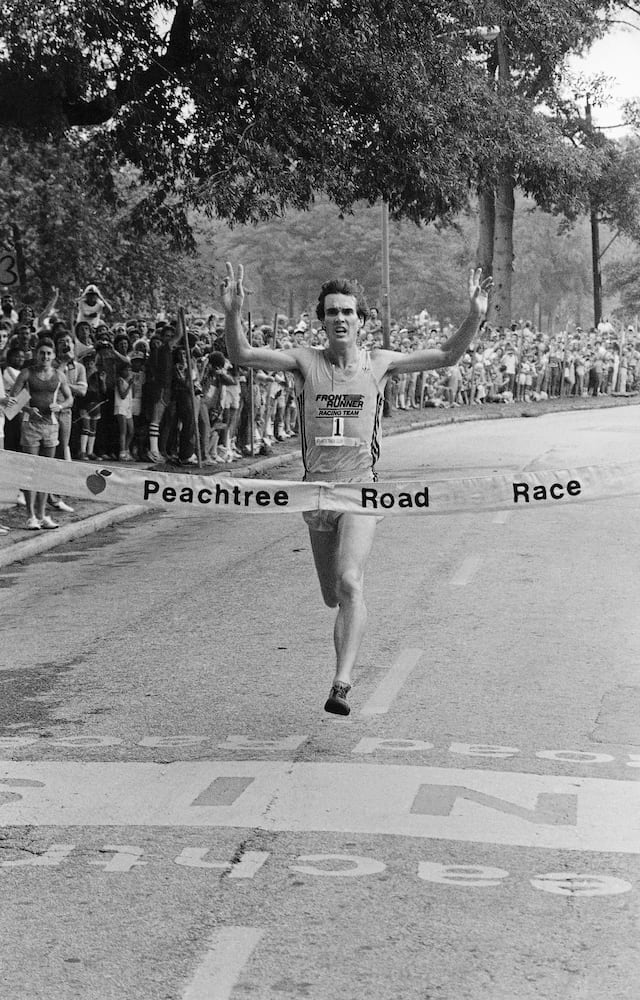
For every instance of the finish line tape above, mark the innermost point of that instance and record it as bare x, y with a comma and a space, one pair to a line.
203, 494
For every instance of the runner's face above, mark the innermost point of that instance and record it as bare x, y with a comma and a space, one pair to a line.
341, 320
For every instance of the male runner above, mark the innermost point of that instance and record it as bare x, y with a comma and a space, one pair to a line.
340, 393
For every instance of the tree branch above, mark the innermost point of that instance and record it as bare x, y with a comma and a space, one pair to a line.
177, 56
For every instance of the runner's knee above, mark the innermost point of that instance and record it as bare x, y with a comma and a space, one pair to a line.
349, 585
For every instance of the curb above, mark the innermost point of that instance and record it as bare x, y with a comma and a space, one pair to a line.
50, 539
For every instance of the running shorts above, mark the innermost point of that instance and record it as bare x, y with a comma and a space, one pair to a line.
36, 433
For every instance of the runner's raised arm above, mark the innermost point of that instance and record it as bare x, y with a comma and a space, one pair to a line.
239, 349
453, 348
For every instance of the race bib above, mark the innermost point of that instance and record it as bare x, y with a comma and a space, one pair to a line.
337, 439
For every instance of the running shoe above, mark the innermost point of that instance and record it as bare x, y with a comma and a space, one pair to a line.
48, 523
33, 524
337, 703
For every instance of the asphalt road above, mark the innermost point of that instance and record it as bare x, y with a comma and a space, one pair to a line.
180, 820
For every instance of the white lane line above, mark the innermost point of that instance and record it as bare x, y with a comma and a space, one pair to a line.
467, 571
381, 699
229, 950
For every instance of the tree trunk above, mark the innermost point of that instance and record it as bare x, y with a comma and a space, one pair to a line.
486, 228
500, 307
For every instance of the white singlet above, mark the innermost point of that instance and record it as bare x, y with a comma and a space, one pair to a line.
340, 419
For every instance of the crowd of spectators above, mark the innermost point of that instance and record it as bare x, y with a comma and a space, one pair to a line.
521, 364
139, 392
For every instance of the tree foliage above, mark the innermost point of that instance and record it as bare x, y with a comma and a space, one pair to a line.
287, 260
245, 107
64, 232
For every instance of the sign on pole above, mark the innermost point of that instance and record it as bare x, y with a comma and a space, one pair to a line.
8, 272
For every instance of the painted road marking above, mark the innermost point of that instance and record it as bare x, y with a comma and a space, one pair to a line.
467, 571
223, 792
386, 691
462, 874
287, 745
482, 806
230, 948
549, 810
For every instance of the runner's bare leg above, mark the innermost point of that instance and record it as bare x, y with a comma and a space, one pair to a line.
340, 562
324, 545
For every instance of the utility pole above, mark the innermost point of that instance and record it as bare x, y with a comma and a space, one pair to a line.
595, 238
386, 300
386, 289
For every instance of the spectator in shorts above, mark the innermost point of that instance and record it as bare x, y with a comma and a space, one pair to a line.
122, 409
230, 405
138, 443
76, 376
49, 395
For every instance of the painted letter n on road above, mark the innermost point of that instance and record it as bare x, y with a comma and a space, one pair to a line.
551, 809
223, 791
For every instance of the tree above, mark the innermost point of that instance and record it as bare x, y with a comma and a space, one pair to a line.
530, 149
63, 232
618, 205
245, 108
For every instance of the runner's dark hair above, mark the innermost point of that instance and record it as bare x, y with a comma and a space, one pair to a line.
343, 286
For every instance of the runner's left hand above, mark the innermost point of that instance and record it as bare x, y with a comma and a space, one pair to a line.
479, 292
232, 290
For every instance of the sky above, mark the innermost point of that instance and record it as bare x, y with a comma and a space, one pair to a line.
618, 56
